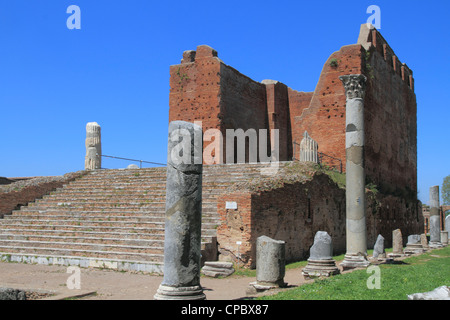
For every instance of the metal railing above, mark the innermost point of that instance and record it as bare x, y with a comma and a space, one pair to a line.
322, 155
135, 160
294, 152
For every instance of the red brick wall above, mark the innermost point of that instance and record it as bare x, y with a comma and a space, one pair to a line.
195, 88
279, 115
295, 212
292, 213
324, 119
206, 89
32, 189
390, 120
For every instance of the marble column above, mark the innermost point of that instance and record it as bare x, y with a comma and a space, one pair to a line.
435, 218
182, 243
308, 149
93, 159
356, 230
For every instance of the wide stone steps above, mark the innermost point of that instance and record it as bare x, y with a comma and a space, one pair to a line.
109, 218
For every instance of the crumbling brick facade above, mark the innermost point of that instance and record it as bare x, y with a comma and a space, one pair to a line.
206, 89
203, 88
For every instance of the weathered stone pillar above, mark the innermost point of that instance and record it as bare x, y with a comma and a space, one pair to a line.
378, 248
270, 264
397, 244
93, 159
435, 218
447, 225
356, 231
308, 149
320, 261
414, 244
444, 238
424, 241
182, 244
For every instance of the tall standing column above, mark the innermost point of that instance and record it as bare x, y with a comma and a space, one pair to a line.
183, 218
93, 159
356, 230
435, 219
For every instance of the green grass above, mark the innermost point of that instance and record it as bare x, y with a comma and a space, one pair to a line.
421, 273
246, 272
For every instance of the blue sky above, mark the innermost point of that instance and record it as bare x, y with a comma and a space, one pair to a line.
115, 69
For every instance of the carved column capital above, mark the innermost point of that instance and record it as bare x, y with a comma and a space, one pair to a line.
355, 85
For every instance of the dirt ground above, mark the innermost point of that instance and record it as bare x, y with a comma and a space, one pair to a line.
114, 285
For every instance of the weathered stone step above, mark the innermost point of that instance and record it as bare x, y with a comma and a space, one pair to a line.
85, 222
154, 257
99, 247
120, 234
103, 204
208, 229
159, 243
131, 206
106, 200
206, 218
94, 228
86, 262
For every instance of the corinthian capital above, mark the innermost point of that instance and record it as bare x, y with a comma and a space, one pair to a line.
355, 85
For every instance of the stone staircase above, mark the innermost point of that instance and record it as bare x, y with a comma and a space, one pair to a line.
109, 219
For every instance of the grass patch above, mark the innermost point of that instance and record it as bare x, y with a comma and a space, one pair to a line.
421, 273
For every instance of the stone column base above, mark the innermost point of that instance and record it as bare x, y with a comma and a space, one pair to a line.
320, 268
413, 249
352, 261
179, 293
435, 245
396, 255
257, 286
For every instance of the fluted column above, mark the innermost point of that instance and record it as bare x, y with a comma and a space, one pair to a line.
356, 229
308, 149
93, 159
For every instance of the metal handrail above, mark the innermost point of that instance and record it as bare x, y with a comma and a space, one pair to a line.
295, 151
140, 161
321, 155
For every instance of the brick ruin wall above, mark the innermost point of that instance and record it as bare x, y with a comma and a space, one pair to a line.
295, 212
21, 193
204, 88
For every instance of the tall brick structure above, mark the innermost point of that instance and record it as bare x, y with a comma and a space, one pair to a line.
204, 88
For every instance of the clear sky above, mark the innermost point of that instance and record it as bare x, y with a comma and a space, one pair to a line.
115, 69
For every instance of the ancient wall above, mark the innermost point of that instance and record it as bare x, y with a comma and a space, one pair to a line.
294, 212
20, 193
324, 118
204, 88
390, 118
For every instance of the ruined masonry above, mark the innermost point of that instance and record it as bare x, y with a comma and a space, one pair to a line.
116, 218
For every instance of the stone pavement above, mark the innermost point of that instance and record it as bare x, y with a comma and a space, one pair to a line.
99, 284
